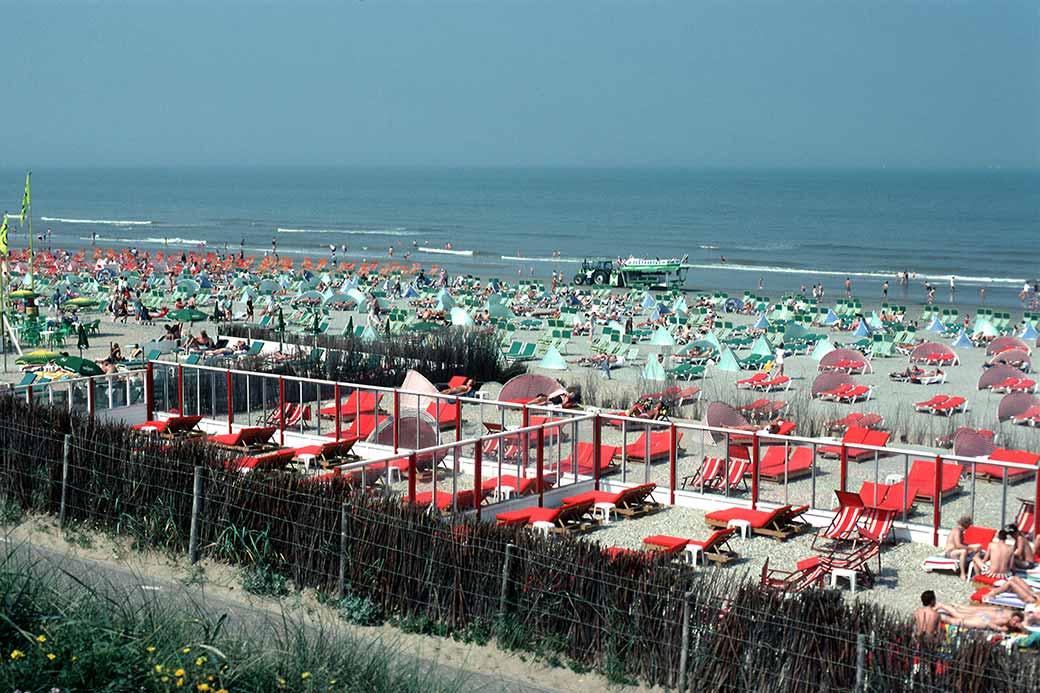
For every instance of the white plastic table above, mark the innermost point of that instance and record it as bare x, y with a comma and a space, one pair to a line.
694, 553
306, 458
893, 479
743, 525
602, 511
850, 575
543, 526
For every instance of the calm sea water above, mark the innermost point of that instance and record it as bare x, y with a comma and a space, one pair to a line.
782, 228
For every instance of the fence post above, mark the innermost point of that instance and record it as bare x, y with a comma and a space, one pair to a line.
411, 477
339, 406
754, 471
936, 500
458, 433
65, 452
673, 461
861, 656
597, 445
503, 590
90, 398
149, 392
196, 508
684, 653
1036, 500
341, 586
478, 483
539, 470
180, 390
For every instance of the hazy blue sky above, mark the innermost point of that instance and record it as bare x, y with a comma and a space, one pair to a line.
691, 82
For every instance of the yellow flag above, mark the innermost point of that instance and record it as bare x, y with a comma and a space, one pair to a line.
26, 198
3, 237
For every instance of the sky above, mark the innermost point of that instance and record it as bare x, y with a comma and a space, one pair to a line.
794, 83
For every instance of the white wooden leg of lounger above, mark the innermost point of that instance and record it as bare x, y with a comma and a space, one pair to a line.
743, 525
845, 573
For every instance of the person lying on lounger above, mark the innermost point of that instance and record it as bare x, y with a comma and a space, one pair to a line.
984, 617
646, 409
460, 390
1017, 586
908, 373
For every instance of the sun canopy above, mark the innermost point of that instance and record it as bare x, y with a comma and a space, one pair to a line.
722, 415
526, 387
728, 362
830, 380
662, 337
837, 355
963, 341
922, 351
654, 371
414, 381
1014, 404
761, 323
968, 443
1013, 357
553, 360
822, 348
1000, 344
998, 374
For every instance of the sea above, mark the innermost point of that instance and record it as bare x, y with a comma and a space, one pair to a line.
768, 231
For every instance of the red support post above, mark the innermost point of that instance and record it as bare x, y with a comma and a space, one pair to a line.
540, 466
754, 470
844, 466
149, 393
230, 403
180, 391
597, 445
281, 410
411, 477
90, 397
339, 423
673, 460
936, 490
397, 419
458, 430
478, 482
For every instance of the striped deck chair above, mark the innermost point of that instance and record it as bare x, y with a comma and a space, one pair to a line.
710, 469
850, 510
738, 469
877, 522
1026, 519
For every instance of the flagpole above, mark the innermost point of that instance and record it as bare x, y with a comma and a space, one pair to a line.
28, 195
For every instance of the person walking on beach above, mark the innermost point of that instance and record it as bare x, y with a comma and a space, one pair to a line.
778, 360
982, 295
953, 286
274, 247
884, 290
848, 287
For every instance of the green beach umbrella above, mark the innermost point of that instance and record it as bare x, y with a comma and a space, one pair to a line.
24, 293
80, 366
37, 357
187, 315
553, 360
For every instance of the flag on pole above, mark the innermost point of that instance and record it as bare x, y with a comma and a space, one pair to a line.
3, 237
26, 199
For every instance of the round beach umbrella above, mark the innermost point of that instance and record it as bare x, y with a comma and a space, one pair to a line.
1016, 403
81, 301
268, 286
23, 293
722, 415
37, 357
1000, 344
997, 374
187, 315
78, 365
188, 286
525, 387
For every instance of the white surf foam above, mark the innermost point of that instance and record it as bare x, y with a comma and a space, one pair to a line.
568, 260
107, 222
891, 276
175, 240
396, 231
445, 251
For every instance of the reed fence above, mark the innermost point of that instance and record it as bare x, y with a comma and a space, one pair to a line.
655, 621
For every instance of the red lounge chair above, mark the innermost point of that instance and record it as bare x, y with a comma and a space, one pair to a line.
927, 405
462, 500
715, 548
520, 486
444, 414
1024, 385
951, 406
360, 428
846, 519
630, 502
270, 460
858, 393
793, 581
782, 523
1005, 385
359, 402
660, 446
753, 380
586, 460
898, 497
710, 469
752, 408
993, 472
566, 518
922, 478
853, 435
779, 383
457, 381
775, 467
833, 395
842, 424
173, 427
327, 453
249, 438
812, 570
1030, 417
335, 475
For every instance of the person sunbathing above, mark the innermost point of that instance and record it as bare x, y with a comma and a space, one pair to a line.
1025, 556
646, 409
997, 560
1017, 586
460, 390
984, 617
956, 548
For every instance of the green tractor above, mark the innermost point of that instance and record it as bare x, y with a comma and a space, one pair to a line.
596, 272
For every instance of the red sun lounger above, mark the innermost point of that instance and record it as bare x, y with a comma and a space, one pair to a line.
895, 497
173, 427
359, 402
630, 502
782, 523
779, 383
753, 380
995, 472
951, 406
586, 462
927, 405
858, 393
922, 478
462, 500
775, 467
715, 548
326, 453
520, 486
269, 460
248, 438
566, 518
660, 446
444, 413
853, 435
836, 392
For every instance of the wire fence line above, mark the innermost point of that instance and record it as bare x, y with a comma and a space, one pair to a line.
561, 597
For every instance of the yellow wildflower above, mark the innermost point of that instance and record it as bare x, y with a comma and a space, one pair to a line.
202, 687
150, 648
166, 679
305, 675
179, 672
180, 682
17, 654
74, 658
222, 690
158, 668
41, 638
51, 656
186, 650
332, 682
200, 661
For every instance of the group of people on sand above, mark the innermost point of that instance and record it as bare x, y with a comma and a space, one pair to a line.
1010, 550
